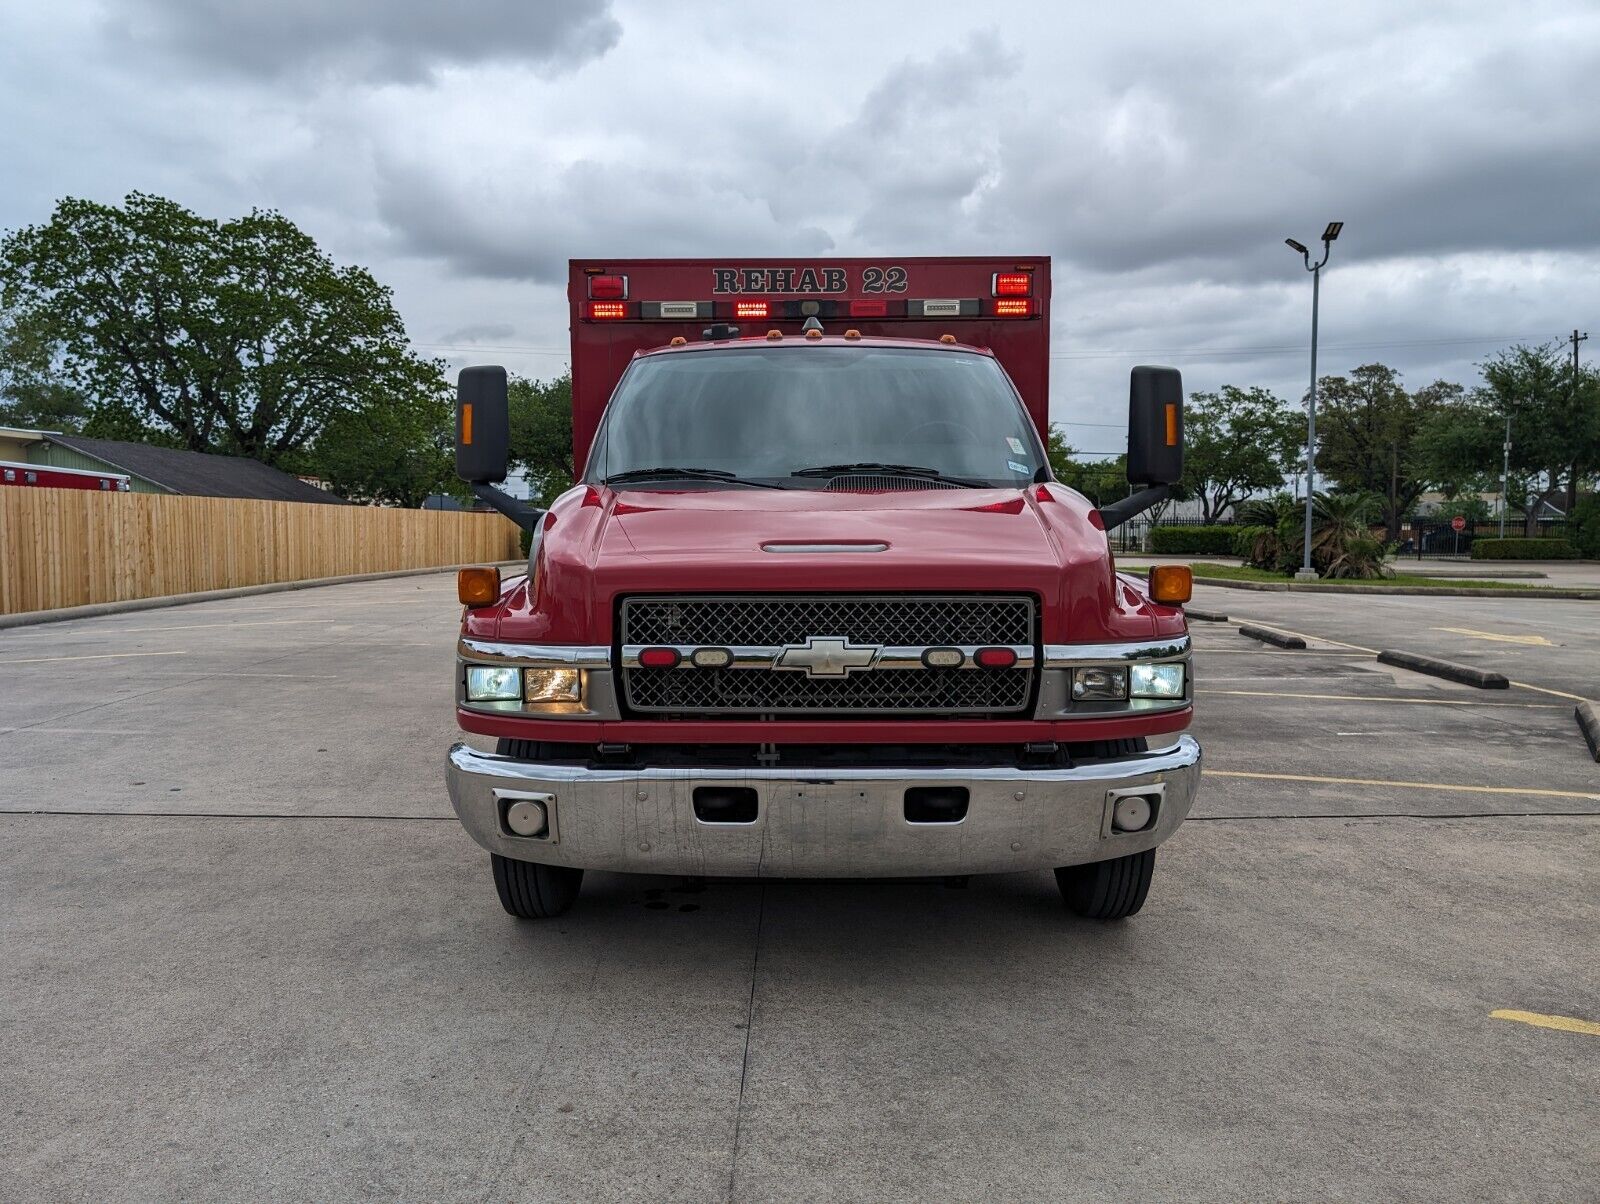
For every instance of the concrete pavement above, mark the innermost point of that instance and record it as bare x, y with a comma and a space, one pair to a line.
247, 953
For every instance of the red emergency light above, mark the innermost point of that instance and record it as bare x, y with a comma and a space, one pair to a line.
752, 309
608, 288
1014, 307
1013, 284
870, 308
607, 310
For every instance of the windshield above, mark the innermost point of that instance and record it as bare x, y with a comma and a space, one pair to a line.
764, 414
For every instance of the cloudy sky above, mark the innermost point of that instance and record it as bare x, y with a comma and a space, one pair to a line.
1160, 153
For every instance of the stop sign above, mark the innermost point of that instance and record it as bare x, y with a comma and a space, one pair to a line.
1458, 523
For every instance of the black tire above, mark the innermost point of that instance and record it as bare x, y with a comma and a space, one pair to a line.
531, 891
1107, 890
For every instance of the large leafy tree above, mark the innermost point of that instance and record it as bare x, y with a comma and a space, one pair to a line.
1554, 418
397, 453
1370, 432
238, 336
1237, 442
32, 390
541, 434
1101, 481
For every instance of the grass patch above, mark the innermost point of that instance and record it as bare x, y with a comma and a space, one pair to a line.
1238, 572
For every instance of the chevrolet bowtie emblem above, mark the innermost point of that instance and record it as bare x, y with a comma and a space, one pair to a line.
827, 656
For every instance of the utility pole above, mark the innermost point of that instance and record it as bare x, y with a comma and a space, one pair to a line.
1331, 232
1572, 399
1505, 472
1575, 339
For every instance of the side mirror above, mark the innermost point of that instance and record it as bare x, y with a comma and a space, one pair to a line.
1155, 426
483, 425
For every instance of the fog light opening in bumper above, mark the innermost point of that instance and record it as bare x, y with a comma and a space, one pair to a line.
936, 804
726, 804
1131, 812
527, 817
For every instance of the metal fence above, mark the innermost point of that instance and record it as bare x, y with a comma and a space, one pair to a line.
1420, 538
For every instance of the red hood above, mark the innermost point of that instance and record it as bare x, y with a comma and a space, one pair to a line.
598, 546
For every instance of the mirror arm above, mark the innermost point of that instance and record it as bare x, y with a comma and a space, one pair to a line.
525, 516
1121, 511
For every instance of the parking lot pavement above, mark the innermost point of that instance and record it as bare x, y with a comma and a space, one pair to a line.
246, 952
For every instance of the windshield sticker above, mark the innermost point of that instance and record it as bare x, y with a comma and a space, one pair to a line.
1015, 467
1015, 445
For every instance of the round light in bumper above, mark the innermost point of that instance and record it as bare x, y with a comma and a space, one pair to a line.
526, 817
1131, 813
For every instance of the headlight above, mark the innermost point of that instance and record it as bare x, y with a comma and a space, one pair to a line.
1158, 681
1099, 685
493, 683
553, 685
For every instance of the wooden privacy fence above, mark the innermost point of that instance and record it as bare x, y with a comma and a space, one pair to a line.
68, 547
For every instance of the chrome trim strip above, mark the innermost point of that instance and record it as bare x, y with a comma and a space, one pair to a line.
538, 656
1069, 656
776, 546
765, 656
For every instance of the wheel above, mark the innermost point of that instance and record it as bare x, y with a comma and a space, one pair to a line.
531, 891
1107, 890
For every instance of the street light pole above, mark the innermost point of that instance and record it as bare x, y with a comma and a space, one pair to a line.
1307, 573
1505, 474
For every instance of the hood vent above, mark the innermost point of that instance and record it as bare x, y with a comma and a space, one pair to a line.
867, 482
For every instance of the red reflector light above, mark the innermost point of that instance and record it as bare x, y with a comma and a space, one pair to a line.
1019, 308
995, 658
869, 309
659, 658
607, 309
1013, 284
752, 309
609, 288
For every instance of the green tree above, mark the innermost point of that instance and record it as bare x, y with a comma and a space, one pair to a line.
1555, 429
541, 434
1370, 436
397, 453
33, 392
1101, 481
1237, 442
238, 336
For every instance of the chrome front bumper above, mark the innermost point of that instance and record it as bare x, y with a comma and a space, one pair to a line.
821, 823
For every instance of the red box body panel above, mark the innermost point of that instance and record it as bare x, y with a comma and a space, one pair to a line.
603, 347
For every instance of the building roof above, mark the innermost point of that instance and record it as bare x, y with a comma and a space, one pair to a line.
198, 474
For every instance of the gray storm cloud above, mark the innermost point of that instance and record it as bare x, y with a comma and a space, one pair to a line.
378, 40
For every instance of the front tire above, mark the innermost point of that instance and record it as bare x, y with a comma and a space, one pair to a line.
531, 891
1107, 890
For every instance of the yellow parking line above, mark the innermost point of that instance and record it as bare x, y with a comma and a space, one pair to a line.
1321, 639
1522, 685
1301, 777
1439, 702
1566, 1024
1472, 633
97, 656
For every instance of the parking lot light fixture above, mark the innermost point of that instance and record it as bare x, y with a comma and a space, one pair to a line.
1329, 233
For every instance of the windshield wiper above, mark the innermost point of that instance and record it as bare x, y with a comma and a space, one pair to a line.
896, 470
667, 472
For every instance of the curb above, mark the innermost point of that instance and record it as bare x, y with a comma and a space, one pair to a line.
1210, 616
96, 609
1484, 679
1589, 724
1267, 636
1451, 591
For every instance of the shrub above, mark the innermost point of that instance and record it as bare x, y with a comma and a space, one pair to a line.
1244, 541
1179, 541
1584, 527
1523, 549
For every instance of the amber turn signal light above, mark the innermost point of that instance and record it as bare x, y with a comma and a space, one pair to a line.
1172, 583
478, 587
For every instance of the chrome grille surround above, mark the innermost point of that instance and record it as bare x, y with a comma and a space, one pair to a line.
759, 629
